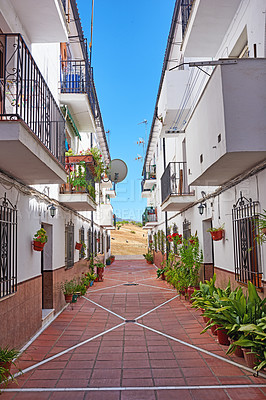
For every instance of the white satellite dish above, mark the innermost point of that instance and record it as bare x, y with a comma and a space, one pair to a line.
118, 170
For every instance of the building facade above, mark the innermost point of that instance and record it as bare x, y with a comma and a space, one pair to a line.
48, 105
206, 155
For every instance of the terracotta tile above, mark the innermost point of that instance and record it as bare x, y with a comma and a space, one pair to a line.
137, 373
138, 395
175, 395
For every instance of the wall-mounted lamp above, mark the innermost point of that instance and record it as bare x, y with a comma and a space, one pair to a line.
52, 209
201, 208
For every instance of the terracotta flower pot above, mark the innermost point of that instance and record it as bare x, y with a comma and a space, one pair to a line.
100, 274
68, 298
217, 235
149, 262
223, 337
214, 330
78, 246
249, 357
38, 246
163, 276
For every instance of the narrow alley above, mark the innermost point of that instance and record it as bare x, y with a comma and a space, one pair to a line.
131, 337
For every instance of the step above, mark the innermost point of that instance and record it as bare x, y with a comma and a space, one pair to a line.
47, 315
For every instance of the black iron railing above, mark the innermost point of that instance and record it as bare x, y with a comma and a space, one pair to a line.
186, 7
150, 172
246, 248
8, 246
77, 77
149, 215
25, 96
79, 180
174, 180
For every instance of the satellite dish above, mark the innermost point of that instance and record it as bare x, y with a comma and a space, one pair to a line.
118, 171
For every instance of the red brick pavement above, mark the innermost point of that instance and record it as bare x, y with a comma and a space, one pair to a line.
131, 355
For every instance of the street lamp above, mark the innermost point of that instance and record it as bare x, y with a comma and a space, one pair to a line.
201, 208
52, 209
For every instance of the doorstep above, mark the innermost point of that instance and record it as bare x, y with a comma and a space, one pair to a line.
47, 315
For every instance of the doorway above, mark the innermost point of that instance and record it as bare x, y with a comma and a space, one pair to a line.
208, 251
47, 269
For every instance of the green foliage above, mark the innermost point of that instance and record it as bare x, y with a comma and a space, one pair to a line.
100, 167
148, 257
261, 222
68, 287
132, 232
40, 236
6, 356
220, 228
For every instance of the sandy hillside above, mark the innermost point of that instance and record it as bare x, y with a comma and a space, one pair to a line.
124, 241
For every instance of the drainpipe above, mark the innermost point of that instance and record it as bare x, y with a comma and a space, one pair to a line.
166, 220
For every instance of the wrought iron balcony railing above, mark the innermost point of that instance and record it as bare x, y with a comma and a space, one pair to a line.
80, 179
25, 96
77, 77
186, 7
174, 180
150, 172
149, 215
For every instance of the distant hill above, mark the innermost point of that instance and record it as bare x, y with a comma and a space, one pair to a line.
128, 220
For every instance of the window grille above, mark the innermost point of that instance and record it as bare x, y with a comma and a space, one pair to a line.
102, 244
95, 242
168, 245
186, 229
89, 251
82, 240
186, 6
175, 230
8, 248
246, 248
69, 245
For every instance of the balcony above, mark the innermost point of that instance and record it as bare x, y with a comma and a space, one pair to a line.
207, 25
79, 191
149, 177
44, 21
32, 128
105, 216
176, 193
111, 193
145, 193
226, 133
149, 218
77, 91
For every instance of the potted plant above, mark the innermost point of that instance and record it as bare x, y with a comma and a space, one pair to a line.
112, 258
108, 261
148, 257
217, 233
39, 240
79, 178
7, 357
68, 288
100, 270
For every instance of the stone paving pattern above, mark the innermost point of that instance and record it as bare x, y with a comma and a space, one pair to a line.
131, 355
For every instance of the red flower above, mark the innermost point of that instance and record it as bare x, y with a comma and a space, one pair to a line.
169, 237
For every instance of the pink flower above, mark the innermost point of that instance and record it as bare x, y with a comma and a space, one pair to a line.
100, 155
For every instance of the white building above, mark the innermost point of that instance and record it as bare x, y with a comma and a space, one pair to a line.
207, 144
48, 103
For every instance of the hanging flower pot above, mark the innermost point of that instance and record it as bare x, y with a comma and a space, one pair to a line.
217, 235
38, 246
78, 246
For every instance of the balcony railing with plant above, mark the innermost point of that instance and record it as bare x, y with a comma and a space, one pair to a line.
149, 215
26, 97
174, 180
77, 77
150, 172
79, 179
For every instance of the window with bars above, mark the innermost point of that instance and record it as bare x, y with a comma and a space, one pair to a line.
82, 240
246, 248
8, 246
99, 242
102, 244
186, 229
95, 242
175, 230
69, 245
89, 248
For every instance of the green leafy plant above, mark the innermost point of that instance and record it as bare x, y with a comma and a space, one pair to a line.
261, 222
68, 287
220, 228
78, 177
148, 257
40, 236
7, 357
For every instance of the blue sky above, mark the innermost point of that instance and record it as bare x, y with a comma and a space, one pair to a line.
129, 41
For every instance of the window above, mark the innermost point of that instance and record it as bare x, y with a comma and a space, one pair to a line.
95, 242
99, 242
89, 249
69, 245
8, 246
246, 247
186, 229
